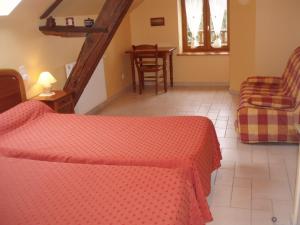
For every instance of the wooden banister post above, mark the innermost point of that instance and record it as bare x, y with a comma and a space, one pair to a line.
95, 45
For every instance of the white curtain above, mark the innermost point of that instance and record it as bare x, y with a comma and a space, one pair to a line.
217, 10
194, 12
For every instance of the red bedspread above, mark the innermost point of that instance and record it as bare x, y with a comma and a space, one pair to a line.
37, 192
167, 142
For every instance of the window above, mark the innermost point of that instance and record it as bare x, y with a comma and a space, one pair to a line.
205, 25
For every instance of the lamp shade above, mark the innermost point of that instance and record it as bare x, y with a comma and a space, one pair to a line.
46, 79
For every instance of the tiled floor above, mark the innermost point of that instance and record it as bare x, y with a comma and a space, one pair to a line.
255, 182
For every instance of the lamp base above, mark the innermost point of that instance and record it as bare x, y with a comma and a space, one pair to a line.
49, 94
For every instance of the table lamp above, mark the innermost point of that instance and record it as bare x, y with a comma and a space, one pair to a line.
46, 80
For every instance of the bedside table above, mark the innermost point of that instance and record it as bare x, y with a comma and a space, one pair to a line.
61, 102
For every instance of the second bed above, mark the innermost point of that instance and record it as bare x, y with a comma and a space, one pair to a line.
31, 130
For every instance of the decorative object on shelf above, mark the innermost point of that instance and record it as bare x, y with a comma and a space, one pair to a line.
50, 22
70, 22
159, 21
89, 22
46, 79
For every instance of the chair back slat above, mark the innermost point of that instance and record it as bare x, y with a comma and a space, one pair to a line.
145, 54
146, 61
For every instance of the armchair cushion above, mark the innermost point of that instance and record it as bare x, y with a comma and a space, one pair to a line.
257, 80
275, 101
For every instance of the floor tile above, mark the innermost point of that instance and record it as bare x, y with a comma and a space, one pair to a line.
260, 155
222, 117
278, 171
230, 216
230, 125
262, 218
252, 170
271, 189
221, 124
282, 211
242, 146
242, 182
227, 164
228, 142
241, 197
262, 205
220, 132
237, 155
231, 133
221, 195
212, 115
225, 177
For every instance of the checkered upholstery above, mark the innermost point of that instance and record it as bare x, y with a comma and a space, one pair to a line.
264, 80
270, 106
273, 101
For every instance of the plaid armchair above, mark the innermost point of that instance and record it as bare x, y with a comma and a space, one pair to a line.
270, 106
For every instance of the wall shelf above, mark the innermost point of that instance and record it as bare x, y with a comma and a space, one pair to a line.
68, 31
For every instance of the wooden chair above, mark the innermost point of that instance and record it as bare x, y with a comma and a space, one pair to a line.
146, 61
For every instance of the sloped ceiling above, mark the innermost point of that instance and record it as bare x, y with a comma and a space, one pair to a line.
136, 3
83, 7
78, 8
34, 8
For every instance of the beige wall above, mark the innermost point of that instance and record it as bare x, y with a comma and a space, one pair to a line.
277, 34
262, 38
116, 62
187, 69
242, 53
266, 30
21, 43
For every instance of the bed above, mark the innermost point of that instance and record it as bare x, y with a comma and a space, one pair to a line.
12, 90
32, 131
36, 192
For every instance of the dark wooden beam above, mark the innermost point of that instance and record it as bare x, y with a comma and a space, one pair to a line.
95, 45
50, 9
68, 31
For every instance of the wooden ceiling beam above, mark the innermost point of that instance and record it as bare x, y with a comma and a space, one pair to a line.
95, 45
68, 31
50, 9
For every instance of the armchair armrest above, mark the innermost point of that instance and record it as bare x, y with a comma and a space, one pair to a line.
276, 81
275, 101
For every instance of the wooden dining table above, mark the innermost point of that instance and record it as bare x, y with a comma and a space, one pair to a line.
164, 53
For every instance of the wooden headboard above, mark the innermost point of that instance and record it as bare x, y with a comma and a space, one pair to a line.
12, 91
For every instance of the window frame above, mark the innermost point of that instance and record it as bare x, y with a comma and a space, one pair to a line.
207, 32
